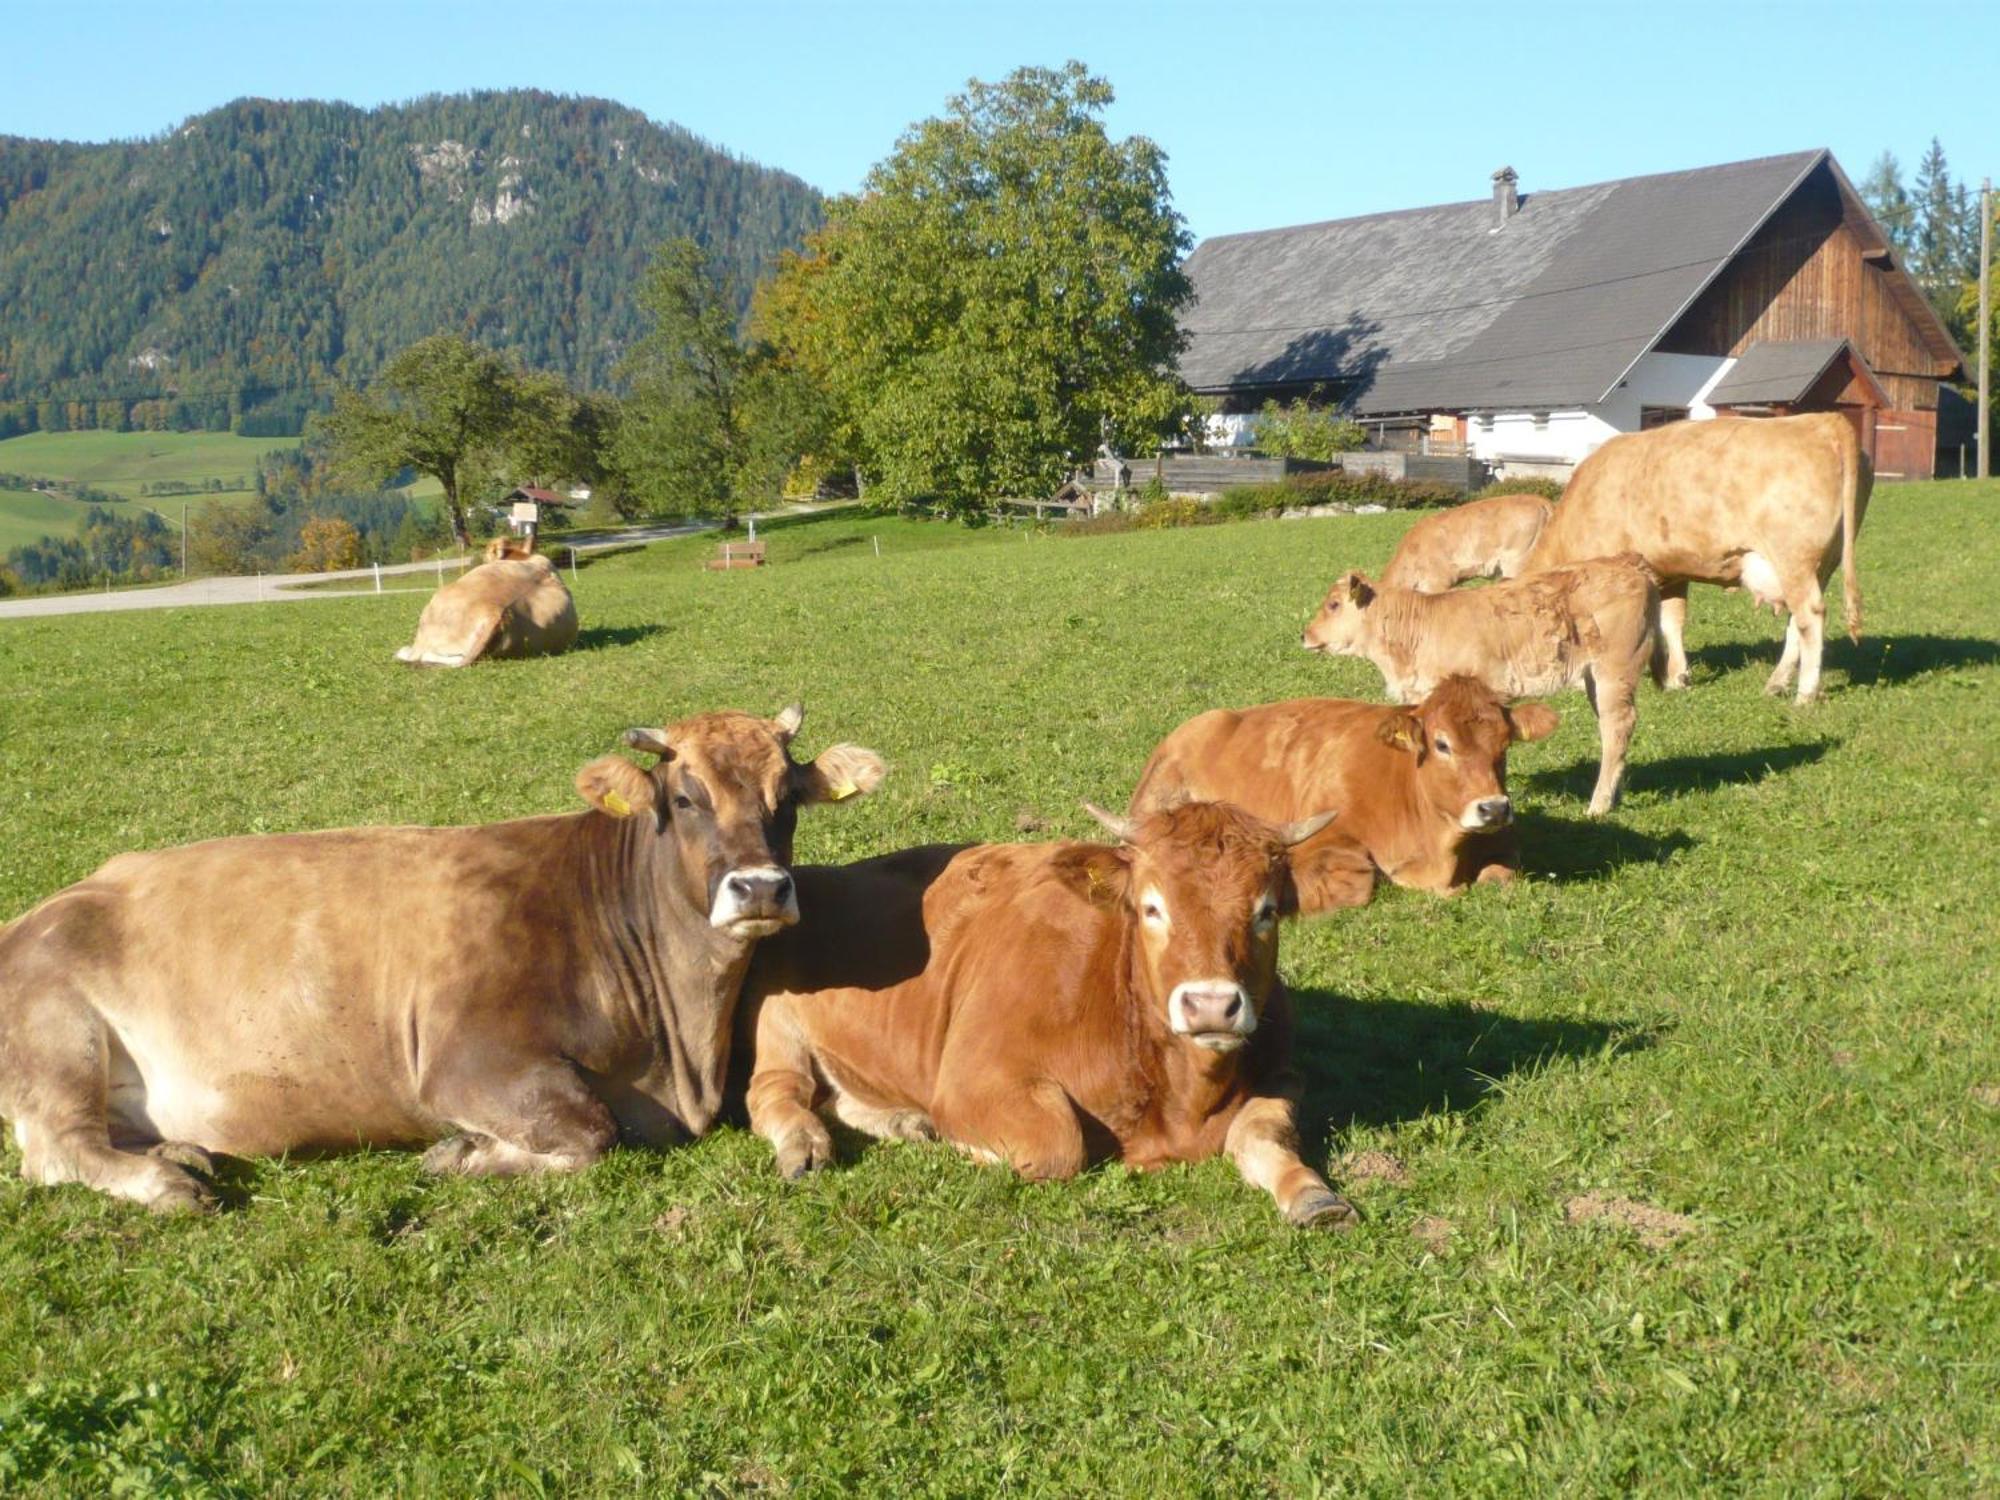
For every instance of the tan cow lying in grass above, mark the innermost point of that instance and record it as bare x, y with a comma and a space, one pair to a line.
1422, 791
1044, 1005
1595, 624
517, 606
321, 990
1770, 504
1480, 539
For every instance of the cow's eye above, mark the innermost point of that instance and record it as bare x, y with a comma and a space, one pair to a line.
1154, 912
681, 801
1442, 747
1266, 913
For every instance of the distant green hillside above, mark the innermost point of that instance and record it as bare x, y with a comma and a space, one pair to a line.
28, 517
228, 273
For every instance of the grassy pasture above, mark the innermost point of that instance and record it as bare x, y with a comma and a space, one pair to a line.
26, 516
1679, 1157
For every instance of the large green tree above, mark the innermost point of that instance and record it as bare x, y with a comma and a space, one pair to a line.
998, 299
444, 407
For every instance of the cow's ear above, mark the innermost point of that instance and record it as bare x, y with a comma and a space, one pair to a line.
1402, 732
1359, 590
1097, 872
1531, 721
613, 785
840, 772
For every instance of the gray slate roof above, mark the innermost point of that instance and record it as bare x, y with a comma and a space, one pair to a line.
1775, 371
1442, 309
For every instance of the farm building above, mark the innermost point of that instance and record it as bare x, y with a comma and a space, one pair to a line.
1528, 328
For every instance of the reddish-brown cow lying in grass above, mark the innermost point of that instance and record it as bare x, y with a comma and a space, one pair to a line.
1043, 1005
1422, 792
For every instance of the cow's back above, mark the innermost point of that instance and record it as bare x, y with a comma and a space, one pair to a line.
504, 609
1489, 538
1692, 498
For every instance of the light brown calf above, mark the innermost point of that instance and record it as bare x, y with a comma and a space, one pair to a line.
516, 607
1480, 539
1422, 791
1594, 624
322, 990
1770, 504
1045, 1005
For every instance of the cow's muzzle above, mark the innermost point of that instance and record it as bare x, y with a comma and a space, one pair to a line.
1487, 813
755, 902
1212, 1013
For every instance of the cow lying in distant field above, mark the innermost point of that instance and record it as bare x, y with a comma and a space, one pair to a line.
1480, 539
1044, 1005
1594, 624
514, 607
1422, 792
521, 993
1771, 504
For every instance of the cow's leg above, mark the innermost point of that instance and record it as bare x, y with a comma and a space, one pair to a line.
1338, 873
1028, 1123
524, 1113
1264, 1144
783, 1088
59, 1055
1808, 606
1673, 631
882, 1123
1616, 713
1788, 660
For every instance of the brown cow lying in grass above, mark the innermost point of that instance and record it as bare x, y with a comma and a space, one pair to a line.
1594, 624
1045, 1004
1422, 791
322, 990
1480, 539
517, 606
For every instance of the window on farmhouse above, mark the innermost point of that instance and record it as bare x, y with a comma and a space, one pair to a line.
1541, 421
1658, 416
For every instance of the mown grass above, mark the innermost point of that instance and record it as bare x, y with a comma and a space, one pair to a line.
26, 516
1760, 1000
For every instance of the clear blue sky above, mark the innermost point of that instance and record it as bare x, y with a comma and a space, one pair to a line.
1270, 113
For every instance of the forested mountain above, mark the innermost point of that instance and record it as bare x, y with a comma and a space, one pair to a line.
232, 271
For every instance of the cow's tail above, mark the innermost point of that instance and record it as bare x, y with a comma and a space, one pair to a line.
1856, 482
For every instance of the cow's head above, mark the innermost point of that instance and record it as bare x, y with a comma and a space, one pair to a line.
1458, 737
727, 792
1203, 884
1341, 628
509, 549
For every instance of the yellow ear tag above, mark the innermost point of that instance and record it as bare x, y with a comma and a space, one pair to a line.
617, 805
842, 792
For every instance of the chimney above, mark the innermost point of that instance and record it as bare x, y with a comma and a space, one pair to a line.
1505, 200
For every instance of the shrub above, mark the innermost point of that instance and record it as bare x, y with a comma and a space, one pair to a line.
1548, 489
1301, 430
1335, 487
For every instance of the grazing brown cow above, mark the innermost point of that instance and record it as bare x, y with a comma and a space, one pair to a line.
1596, 624
515, 607
1480, 539
1422, 791
1044, 1005
1770, 504
322, 990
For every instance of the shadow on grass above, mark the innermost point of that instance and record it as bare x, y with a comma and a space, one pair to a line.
1588, 848
1889, 658
559, 553
1378, 1062
1675, 776
598, 637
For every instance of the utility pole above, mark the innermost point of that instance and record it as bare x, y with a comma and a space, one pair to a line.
1985, 314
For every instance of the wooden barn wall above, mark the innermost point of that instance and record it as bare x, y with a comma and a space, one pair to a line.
1803, 277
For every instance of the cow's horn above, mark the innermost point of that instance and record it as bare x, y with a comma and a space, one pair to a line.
1126, 830
652, 741
790, 717
1305, 828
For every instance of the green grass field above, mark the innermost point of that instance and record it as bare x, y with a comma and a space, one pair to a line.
120, 462
1678, 1157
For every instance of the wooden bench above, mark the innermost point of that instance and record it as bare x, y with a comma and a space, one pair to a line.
736, 555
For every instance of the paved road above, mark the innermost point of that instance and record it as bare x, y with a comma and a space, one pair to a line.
286, 586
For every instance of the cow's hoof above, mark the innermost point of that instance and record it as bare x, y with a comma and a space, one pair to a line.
1600, 806
450, 1154
1776, 687
802, 1154
181, 1154
1805, 700
1676, 682
910, 1125
181, 1194
1322, 1208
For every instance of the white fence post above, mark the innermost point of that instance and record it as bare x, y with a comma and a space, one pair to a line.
378, 578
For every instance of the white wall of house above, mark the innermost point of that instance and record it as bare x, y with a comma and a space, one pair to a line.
1559, 438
